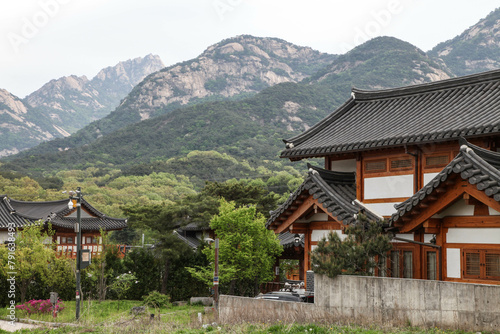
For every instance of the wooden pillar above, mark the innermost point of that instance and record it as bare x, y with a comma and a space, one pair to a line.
307, 250
359, 178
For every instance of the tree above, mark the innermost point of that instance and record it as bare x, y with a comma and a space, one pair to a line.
247, 250
29, 254
122, 284
162, 220
356, 254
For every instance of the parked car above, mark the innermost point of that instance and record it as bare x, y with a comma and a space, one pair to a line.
279, 295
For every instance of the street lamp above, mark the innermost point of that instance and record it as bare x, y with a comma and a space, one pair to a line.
216, 277
77, 201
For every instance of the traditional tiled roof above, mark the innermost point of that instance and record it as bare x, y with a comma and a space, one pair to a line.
8, 215
191, 241
474, 164
438, 111
336, 191
57, 213
287, 240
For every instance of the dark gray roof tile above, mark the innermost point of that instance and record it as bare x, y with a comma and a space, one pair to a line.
336, 191
443, 110
478, 166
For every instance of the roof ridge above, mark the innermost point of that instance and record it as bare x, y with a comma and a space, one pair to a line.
333, 176
428, 87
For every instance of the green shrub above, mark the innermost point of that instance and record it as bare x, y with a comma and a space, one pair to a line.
156, 300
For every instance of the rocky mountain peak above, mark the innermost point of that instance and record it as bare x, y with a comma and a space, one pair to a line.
11, 103
476, 50
235, 66
407, 64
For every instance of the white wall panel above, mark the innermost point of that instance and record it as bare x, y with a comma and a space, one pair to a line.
317, 217
459, 208
453, 262
408, 236
388, 186
348, 165
317, 235
383, 209
428, 237
428, 177
473, 236
493, 212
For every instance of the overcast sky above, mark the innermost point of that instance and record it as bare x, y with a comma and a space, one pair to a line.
46, 39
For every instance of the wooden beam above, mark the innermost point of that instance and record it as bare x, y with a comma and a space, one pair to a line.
325, 225
301, 209
471, 221
481, 196
446, 199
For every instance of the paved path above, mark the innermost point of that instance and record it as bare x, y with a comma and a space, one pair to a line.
7, 326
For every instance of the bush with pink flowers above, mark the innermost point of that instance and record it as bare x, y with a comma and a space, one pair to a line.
40, 306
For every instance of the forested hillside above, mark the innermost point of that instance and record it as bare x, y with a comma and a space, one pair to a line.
250, 129
476, 50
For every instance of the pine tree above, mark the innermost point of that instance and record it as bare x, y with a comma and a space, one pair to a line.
356, 254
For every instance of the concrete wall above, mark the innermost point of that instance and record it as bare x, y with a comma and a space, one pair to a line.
382, 301
236, 310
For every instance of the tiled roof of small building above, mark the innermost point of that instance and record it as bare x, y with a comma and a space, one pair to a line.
23, 213
336, 191
474, 164
438, 111
191, 241
287, 240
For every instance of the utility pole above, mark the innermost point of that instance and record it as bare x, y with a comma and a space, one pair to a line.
77, 201
216, 277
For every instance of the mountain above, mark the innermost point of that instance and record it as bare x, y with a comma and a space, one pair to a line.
248, 129
73, 102
383, 62
18, 128
476, 50
67, 104
231, 69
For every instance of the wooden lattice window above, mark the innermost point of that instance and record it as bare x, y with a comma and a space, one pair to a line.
482, 264
437, 160
492, 264
401, 164
472, 264
376, 166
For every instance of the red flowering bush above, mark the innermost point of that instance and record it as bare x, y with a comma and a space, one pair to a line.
40, 306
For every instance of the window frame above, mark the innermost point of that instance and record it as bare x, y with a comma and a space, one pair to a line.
482, 264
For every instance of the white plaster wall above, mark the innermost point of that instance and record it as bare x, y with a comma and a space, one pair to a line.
453, 262
317, 217
388, 186
473, 236
4, 236
383, 209
459, 208
428, 177
493, 212
428, 237
317, 235
408, 236
313, 247
348, 165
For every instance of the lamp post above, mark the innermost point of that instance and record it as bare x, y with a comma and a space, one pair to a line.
216, 277
77, 201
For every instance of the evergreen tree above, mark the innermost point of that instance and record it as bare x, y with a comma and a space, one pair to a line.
356, 254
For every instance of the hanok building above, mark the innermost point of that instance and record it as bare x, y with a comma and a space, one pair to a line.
62, 219
398, 153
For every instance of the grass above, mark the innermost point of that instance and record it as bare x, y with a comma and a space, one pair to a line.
105, 317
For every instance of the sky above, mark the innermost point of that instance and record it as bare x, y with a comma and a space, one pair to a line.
41, 40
